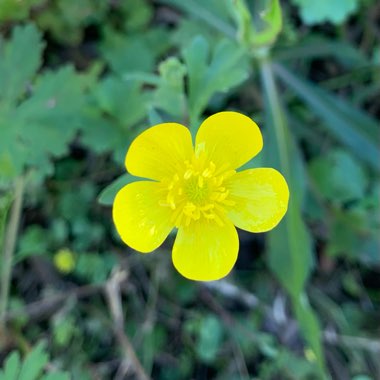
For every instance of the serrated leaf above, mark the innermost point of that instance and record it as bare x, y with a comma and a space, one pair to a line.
20, 58
67, 19
335, 11
210, 72
41, 126
121, 99
119, 51
117, 110
31, 368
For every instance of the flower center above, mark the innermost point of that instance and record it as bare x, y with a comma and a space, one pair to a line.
197, 193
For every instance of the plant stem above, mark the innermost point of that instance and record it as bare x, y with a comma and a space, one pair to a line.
269, 85
9, 247
307, 320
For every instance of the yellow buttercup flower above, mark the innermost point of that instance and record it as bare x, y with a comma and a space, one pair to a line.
198, 191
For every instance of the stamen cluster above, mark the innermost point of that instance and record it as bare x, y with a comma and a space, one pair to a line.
198, 193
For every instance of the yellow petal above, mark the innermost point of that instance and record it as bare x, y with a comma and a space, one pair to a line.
229, 139
261, 199
206, 251
139, 219
160, 151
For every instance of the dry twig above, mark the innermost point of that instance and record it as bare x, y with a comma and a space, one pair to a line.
112, 291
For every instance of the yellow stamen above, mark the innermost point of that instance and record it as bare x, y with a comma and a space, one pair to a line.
198, 193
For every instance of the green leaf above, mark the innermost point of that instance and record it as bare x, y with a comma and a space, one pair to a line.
37, 121
56, 376
12, 367
138, 14
354, 235
33, 241
154, 342
289, 244
31, 368
169, 94
251, 36
95, 268
338, 177
210, 337
117, 108
154, 117
34, 363
108, 194
337, 119
122, 100
25, 46
119, 51
210, 72
309, 325
16, 10
188, 29
42, 126
335, 11
67, 19
64, 329
290, 251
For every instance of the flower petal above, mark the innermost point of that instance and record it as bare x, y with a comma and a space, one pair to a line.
230, 139
139, 219
261, 199
206, 251
160, 151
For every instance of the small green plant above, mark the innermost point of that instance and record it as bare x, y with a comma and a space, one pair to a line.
32, 367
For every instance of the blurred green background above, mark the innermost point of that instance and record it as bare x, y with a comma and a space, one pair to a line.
79, 80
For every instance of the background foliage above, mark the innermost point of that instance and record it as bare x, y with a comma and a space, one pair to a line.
79, 80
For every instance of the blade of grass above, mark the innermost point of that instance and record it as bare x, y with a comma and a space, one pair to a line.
344, 128
197, 9
319, 46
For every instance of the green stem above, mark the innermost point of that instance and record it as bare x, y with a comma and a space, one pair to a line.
9, 247
307, 320
269, 85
